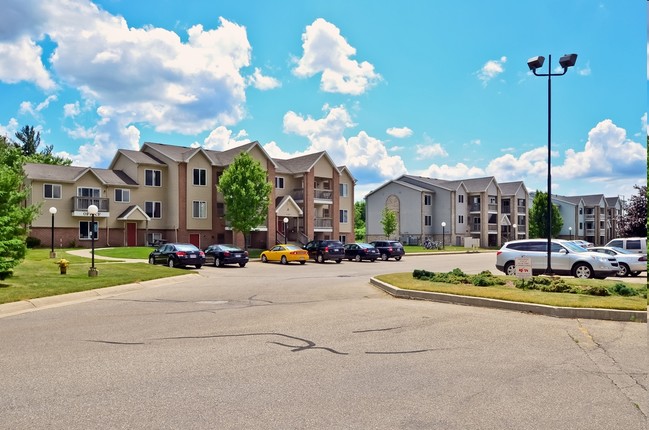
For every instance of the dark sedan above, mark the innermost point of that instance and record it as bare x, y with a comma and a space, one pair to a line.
361, 251
178, 255
218, 255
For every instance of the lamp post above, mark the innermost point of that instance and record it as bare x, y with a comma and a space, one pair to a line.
92, 210
535, 63
443, 233
514, 226
285, 226
52, 252
570, 230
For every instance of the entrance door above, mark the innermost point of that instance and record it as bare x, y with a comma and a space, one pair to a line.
131, 234
195, 239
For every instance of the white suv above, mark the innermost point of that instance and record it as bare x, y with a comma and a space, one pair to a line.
567, 259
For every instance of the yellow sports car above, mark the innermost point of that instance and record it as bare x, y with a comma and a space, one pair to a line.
285, 254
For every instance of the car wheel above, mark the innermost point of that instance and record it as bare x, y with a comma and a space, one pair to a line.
384, 257
624, 270
284, 260
583, 271
398, 258
339, 260
373, 260
217, 262
170, 262
510, 269
151, 260
357, 258
198, 266
319, 258
302, 262
264, 259
242, 264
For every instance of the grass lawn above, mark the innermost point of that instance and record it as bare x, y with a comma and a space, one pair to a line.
511, 293
39, 276
142, 252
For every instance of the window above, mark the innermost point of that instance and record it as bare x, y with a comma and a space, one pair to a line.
460, 219
84, 229
220, 209
342, 239
633, 244
200, 177
152, 238
428, 200
153, 209
343, 215
460, 198
152, 178
428, 220
199, 209
88, 192
51, 191
343, 190
122, 195
279, 182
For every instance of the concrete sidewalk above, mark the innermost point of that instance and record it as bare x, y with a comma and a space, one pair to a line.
87, 253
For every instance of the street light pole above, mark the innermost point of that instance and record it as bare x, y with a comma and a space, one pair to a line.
535, 63
570, 230
443, 233
92, 210
285, 232
52, 252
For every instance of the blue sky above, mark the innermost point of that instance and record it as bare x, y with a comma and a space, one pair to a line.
432, 88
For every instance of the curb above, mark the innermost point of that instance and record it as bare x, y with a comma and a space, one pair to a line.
552, 311
16, 308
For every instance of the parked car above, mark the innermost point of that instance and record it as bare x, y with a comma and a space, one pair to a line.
583, 243
178, 255
636, 244
285, 254
631, 263
218, 255
361, 251
389, 249
567, 258
323, 250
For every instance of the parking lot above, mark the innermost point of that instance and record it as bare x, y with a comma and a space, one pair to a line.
315, 346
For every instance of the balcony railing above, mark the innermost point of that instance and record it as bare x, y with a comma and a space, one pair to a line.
324, 194
80, 204
492, 207
522, 210
323, 223
474, 207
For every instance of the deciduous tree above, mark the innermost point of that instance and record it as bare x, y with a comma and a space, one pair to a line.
389, 222
539, 216
246, 192
633, 221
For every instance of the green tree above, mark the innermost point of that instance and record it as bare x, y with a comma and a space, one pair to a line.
633, 223
14, 215
246, 193
389, 222
538, 217
30, 139
359, 220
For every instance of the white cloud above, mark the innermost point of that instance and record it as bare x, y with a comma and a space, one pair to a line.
366, 156
430, 151
20, 60
491, 69
459, 171
262, 82
70, 110
221, 139
10, 129
28, 107
584, 71
326, 51
399, 132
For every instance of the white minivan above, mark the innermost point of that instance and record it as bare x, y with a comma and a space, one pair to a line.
634, 244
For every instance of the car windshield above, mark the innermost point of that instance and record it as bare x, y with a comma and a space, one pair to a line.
573, 247
293, 248
623, 251
186, 248
230, 248
365, 245
395, 243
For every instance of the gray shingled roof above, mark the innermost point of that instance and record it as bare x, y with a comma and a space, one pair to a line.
299, 164
510, 188
139, 157
50, 172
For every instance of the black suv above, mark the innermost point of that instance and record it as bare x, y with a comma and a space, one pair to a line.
389, 248
323, 250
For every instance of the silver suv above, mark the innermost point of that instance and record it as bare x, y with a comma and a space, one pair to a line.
567, 259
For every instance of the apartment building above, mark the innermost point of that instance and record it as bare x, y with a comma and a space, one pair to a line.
591, 217
476, 208
168, 193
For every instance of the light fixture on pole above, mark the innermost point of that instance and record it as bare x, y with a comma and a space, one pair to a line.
52, 252
514, 226
535, 63
93, 210
443, 233
285, 226
570, 230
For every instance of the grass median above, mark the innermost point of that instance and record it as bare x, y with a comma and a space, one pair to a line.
509, 292
39, 276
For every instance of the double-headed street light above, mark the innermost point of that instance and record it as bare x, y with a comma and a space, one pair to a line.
52, 252
534, 64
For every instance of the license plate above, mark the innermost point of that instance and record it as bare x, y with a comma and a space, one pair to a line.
192, 256
237, 255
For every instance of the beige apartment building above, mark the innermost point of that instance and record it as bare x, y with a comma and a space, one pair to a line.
167, 193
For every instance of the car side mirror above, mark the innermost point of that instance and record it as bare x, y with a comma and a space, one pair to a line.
563, 251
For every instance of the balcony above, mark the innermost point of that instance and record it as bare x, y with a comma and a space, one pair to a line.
492, 207
323, 224
474, 207
80, 206
320, 196
522, 210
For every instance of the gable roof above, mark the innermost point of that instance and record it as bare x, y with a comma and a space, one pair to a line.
303, 163
137, 157
71, 174
511, 188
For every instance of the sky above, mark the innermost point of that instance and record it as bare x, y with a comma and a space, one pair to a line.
423, 87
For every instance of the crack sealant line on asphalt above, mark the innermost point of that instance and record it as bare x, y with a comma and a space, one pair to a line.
16, 308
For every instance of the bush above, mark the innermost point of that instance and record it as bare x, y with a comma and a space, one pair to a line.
32, 242
622, 289
598, 291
